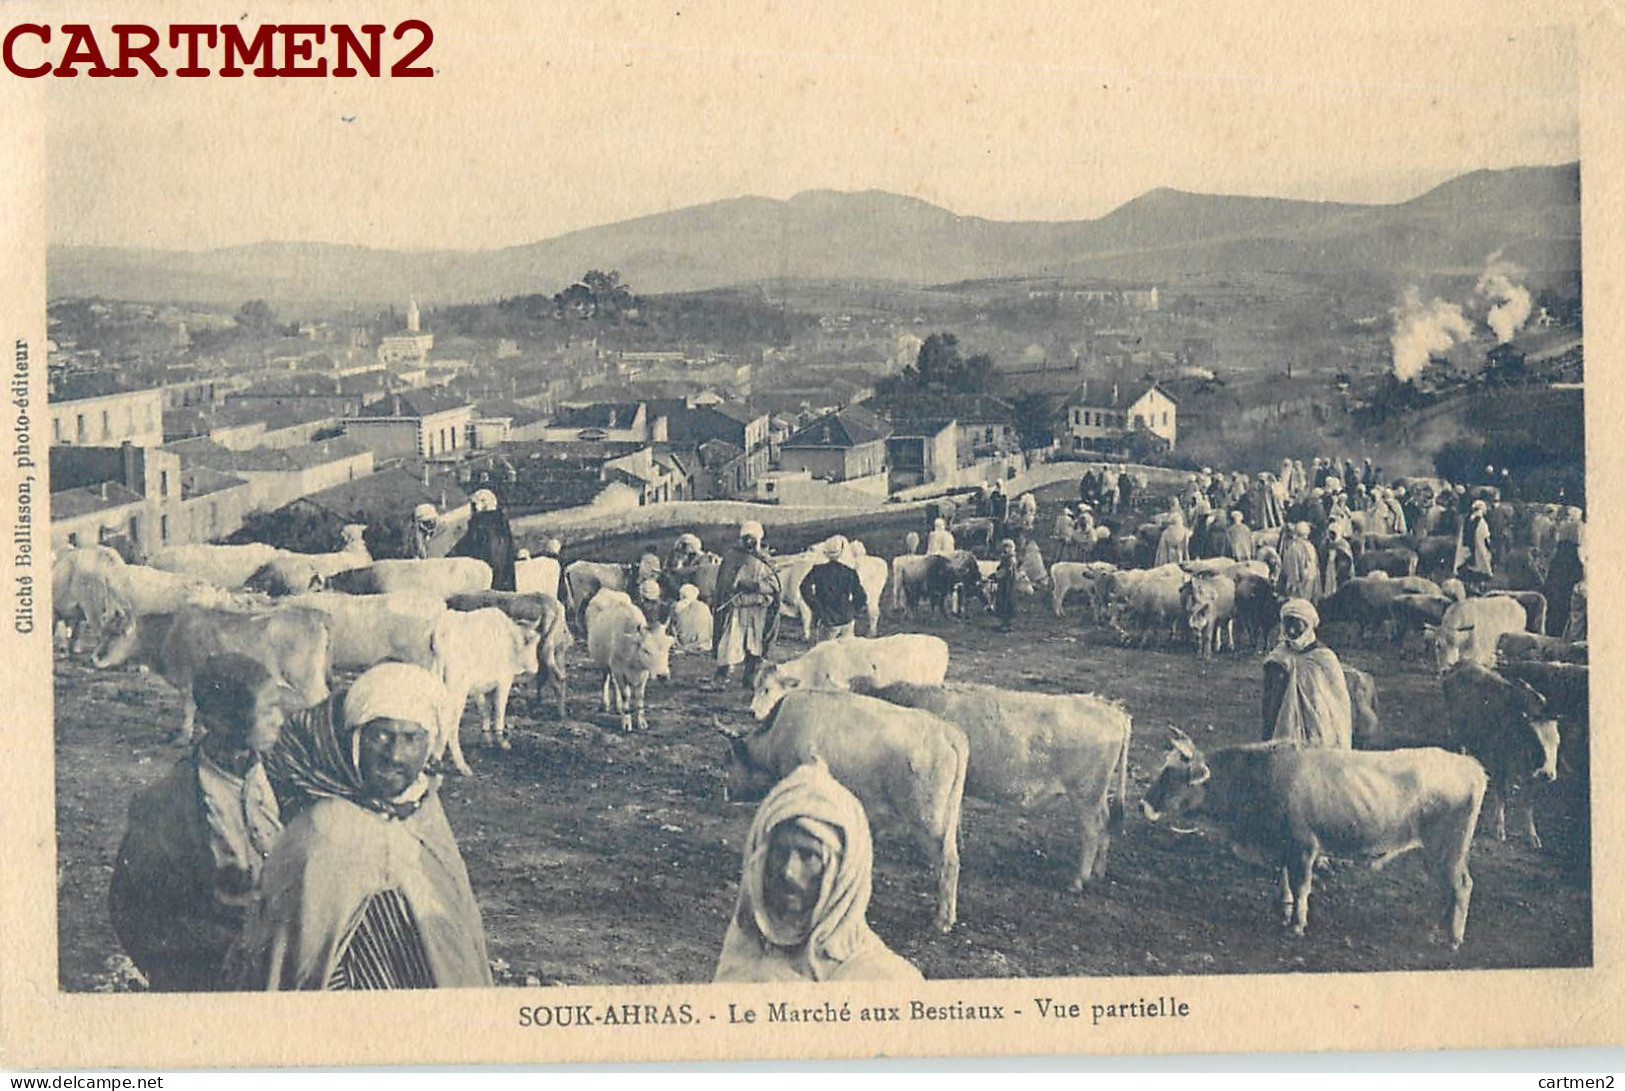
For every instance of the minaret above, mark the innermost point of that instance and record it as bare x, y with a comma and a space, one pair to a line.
412, 316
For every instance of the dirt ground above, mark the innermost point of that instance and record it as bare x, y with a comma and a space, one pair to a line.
605, 858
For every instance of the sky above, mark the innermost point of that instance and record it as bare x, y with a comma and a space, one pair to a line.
545, 118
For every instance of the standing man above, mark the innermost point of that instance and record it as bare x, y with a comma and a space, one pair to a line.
190, 863
1004, 585
489, 538
425, 526
1306, 697
1475, 567
998, 506
833, 593
749, 593
1238, 538
1300, 571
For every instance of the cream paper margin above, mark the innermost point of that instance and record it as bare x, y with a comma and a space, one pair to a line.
40, 1026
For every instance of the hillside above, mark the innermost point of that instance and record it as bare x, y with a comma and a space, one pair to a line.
1530, 214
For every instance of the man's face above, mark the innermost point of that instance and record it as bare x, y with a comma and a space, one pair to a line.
1294, 627
795, 875
393, 754
266, 728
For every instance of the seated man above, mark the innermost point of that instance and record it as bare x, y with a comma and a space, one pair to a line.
691, 621
366, 889
197, 840
804, 893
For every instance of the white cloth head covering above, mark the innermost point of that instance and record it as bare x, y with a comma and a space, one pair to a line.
398, 691
818, 804
484, 500
1303, 610
649, 589
688, 593
834, 546
553, 547
424, 512
751, 529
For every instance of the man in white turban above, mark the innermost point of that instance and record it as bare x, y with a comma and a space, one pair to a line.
691, 621
1306, 697
366, 888
804, 891
748, 594
1300, 569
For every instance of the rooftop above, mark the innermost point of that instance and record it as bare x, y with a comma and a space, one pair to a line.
206, 453
72, 503
1105, 394
390, 491
203, 481
849, 427
597, 415
938, 407
414, 404
92, 384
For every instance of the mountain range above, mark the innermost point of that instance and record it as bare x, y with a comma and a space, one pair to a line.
1530, 214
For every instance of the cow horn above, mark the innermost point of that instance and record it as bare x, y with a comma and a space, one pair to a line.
1202, 778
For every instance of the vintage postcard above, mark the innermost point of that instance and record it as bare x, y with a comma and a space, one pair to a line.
768, 531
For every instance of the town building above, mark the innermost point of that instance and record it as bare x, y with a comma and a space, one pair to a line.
416, 424
603, 422
277, 476
696, 421
1103, 414
94, 409
846, 445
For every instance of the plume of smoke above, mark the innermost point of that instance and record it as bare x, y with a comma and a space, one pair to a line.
1510, 302
1420, 330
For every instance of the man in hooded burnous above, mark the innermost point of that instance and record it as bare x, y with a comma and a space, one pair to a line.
366, 888
804, 893
489, 538
1306, 697
748, 594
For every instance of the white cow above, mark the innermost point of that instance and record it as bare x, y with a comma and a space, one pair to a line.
370, 629
81, 582
480, 653
443, 576
227, 566
352, 554
292, 643
1471, 628
1068, 576
537, 574
904, 657
621, 643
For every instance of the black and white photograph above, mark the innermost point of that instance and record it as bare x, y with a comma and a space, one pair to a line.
688, 497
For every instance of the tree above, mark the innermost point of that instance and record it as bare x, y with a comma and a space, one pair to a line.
256, 316
596, 295
1035, 419
940, 365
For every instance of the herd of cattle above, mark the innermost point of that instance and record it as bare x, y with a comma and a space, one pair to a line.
880, 710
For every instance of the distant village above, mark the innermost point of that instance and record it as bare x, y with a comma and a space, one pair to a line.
173, 424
